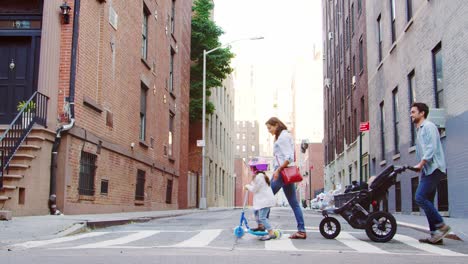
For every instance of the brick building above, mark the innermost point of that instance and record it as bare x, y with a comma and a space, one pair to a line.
345, 91
416, 53
121, 82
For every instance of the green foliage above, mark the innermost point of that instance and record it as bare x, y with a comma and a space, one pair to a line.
205, 36
28, 107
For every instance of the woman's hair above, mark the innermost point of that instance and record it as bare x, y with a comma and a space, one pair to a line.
274, 121
267, 180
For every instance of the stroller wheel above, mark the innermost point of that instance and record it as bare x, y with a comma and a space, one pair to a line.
239, 231
381, 226
330, 227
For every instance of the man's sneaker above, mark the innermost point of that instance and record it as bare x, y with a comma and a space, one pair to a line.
440, 233
428, 241
267, 237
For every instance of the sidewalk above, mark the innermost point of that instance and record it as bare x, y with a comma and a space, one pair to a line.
21, 229
459, 225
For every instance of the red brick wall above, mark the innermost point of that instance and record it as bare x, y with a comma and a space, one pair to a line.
109, 75
316, 159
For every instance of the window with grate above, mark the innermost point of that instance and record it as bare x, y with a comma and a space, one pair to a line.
143, 96
171, 72
169, 192
140, 186
87, 173
171, 134
144, 33
104, 186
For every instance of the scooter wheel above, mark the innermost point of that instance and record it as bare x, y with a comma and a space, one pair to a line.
278, 233
330, 227
239, 231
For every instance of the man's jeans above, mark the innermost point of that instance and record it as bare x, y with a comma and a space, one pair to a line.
425, 195
290, 192
261, 217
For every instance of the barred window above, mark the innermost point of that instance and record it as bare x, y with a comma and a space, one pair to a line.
169, 192
140, 186
87, 173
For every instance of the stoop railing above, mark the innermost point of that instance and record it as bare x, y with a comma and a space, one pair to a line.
34, 111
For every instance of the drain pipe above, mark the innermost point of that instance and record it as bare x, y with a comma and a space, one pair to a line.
71, 100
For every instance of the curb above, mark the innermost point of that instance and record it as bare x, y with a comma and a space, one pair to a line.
423, 229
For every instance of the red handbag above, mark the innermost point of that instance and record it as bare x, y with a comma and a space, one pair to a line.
290, 174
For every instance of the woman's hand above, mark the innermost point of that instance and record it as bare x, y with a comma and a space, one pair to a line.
275, 175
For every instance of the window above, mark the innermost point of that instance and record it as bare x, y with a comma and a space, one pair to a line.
392, 19
144, 33
359, 6
396, 121
216, 130
414, 187
398, 196
243, 135
438, 76
171, 134
104, 186
350, 170
346, 31
379, 37
382, 131
409, 9
253, 148
352, 18
173, 17
169, 192
237, 147
171, 72
143, 95
237, 135
363, 110
140, 186
354, 66
361, 55
412, 99
87, 173
243, 148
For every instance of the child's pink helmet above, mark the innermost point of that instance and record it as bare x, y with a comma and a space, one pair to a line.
258, 164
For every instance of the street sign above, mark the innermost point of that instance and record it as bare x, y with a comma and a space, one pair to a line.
200, 143
364, 126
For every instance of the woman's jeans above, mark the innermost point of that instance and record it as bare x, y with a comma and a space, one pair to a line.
425, 195
290, 192
261, 217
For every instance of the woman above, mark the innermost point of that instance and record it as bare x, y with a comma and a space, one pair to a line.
283, 152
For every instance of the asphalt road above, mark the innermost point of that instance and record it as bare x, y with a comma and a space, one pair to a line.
207, 237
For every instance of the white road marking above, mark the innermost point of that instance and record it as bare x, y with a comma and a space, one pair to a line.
282, 244
357, 244
201, 239
33, 244
426, 247
120, 241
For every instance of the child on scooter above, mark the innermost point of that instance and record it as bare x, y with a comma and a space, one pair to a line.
263, 196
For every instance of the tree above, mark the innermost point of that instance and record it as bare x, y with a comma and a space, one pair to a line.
205, 36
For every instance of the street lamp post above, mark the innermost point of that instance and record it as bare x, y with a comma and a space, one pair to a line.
203, 204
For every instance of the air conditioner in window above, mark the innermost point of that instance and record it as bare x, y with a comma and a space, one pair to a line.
327, 82
353, 81
437, 116
330, 35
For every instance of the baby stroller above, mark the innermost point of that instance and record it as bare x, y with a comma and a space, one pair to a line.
380, 226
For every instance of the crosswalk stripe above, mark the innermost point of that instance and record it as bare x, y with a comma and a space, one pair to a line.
282, 244
202, 239
357, 244
426, 247
121, 240
33, 244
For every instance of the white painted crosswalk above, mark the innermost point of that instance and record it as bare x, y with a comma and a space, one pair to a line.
219, 239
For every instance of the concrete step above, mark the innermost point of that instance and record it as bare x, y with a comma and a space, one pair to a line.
9, 187
20, 156
4, 198
26, 147
13, 177
13, 166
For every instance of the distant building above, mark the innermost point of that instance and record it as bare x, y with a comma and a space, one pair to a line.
246, 139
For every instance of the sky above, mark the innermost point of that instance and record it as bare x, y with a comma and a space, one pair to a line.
292, 34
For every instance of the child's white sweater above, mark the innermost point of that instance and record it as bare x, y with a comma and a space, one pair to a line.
263, 195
